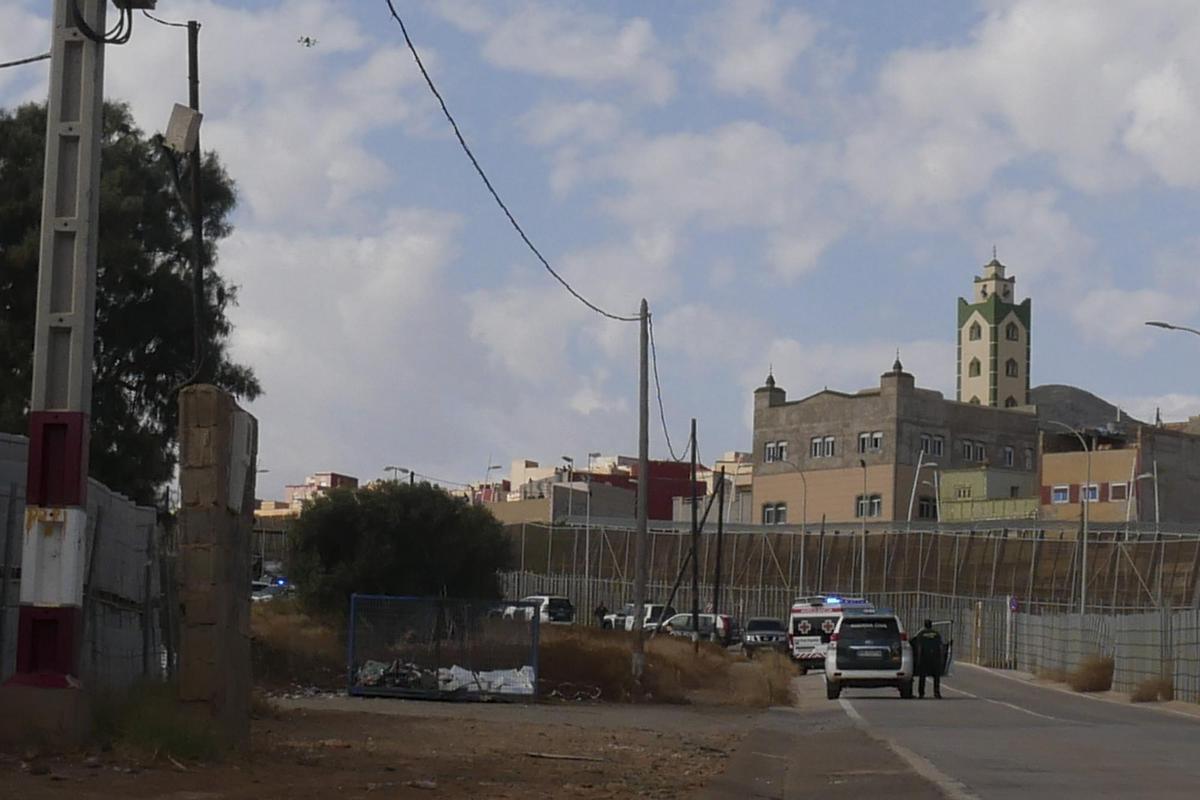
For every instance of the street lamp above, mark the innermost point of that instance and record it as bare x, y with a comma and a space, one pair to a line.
921, 464
1153, 476
1085, 496
401, 471
1168, 326
803, 514
865, 509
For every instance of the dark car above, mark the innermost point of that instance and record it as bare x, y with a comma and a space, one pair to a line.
764, 633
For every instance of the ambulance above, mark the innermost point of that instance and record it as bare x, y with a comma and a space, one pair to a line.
812, 622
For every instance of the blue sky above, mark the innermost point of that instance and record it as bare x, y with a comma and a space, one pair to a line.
808, 185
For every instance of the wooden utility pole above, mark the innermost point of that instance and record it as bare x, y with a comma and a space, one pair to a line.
696, 555
720, 534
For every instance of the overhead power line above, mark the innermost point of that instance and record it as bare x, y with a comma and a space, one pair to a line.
21, 61
662, 414
488, 183
169, 24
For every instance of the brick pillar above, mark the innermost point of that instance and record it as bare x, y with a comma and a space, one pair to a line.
218, 443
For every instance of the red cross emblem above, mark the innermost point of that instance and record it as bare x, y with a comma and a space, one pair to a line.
804, 627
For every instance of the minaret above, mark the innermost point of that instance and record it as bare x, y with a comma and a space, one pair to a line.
993, 341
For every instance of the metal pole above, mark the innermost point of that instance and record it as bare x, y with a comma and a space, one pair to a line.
866, 507
912, 495
587, 547
720, 536
640, 565
203, 369
803, 527
695, 555
1083, 576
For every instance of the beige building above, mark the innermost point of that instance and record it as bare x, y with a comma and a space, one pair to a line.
845, 457
1124, 462
987, 493
993, 342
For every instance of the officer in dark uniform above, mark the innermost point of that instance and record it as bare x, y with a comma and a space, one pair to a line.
928, 657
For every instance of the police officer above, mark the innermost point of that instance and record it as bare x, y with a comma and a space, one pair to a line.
927, 659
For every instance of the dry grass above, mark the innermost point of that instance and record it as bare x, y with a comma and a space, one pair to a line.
290, 648
1153, 689
1052, 674
588, 657
1095, 674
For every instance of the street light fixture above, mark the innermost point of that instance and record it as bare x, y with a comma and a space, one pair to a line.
1171, 327
803, 512
921, 464
865, 509
1085, 496
402, 471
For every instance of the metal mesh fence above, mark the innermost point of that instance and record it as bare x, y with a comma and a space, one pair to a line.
435, 648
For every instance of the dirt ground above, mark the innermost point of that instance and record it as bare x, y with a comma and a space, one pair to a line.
346, 748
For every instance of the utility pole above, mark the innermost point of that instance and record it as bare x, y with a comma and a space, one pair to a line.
202, 368
696, 555
50, 618
866, 509
640, 567
720, 534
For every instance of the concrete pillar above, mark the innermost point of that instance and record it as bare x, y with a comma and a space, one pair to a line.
218, 444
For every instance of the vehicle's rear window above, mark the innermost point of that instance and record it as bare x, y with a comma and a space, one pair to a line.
814, 626
764, 625
560, 604
862, 629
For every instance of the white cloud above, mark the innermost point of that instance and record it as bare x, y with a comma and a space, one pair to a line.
752, 47
24, 34
585, 120
1117, 317
572, 45
1174, 406
1047, 252
803, 368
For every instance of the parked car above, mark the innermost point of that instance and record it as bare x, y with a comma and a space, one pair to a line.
550, 609
713, 628
615, 620
764, 633
652, 615
868, 650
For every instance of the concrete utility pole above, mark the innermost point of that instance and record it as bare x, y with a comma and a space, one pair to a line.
1086, 502
56, 516
204, 370
640, 567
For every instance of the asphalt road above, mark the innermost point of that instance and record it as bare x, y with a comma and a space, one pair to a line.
1001, 737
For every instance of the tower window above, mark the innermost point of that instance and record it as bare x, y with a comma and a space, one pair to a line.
1012, 332
973, 368
975, 333
975, 401
1011, 369
1011, 402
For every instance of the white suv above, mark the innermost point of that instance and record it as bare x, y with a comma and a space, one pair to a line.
551, 609
869, 650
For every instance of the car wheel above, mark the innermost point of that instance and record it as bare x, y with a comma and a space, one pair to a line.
832, 690
906, 690
803, 670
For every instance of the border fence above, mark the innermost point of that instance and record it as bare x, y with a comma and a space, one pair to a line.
1010, 596
435, 648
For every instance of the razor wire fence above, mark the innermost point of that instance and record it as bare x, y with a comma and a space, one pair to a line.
438, 648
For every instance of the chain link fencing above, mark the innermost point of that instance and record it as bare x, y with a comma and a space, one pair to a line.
437, 648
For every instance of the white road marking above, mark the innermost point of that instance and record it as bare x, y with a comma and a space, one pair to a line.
950, 787
1083, 695
1006, 705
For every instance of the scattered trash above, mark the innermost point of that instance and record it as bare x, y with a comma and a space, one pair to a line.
400, 674
423, 784
563, 757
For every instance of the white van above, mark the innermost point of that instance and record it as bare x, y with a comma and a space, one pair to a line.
812, 623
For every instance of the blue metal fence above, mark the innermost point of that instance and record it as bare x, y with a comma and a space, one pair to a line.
439, 648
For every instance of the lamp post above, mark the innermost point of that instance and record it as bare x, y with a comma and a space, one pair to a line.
803, 514
568, 467
1170, 327
921, 464
1085, 496
865, 509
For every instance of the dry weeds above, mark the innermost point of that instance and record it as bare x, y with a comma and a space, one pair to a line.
589, 657
1095, 674
290, 648
1153, 689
